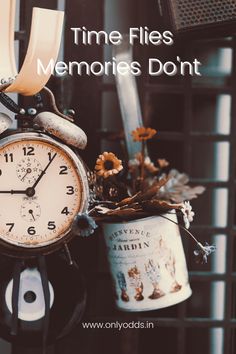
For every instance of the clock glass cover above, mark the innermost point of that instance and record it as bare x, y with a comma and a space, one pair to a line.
43, 186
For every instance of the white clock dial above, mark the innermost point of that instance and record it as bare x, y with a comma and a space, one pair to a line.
42, 188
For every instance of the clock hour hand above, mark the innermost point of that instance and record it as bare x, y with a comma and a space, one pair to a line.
43, 172
13, 192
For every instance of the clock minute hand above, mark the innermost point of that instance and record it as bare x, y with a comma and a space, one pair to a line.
30, 191
43, 172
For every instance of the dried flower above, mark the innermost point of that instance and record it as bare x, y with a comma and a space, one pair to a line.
108, 164
92, 178
144, 192
188, 214
163, 163
102, 210
135, 163
143, 134
84, 225
99, 191
113, 192
203, 252
177, 190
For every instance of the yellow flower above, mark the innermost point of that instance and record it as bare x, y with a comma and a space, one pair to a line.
108, 164
142, 134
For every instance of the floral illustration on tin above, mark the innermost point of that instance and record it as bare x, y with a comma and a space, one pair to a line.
153, 273
168, 258
136, 282
123, 286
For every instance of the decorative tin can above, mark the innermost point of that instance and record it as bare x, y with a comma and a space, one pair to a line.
147, 263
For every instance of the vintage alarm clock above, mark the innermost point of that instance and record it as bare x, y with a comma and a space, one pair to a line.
43, 185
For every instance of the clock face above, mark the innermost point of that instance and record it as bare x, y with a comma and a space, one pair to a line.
42, 188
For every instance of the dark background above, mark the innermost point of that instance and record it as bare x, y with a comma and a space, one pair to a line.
192, 136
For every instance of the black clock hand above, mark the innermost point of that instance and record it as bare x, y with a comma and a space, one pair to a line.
32, 214
43, 172
27, 172
30, 191
13, 192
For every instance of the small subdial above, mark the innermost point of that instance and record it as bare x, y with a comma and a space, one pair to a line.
30, 211
28, 170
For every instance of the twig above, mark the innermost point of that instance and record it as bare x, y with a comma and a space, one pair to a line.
182, 227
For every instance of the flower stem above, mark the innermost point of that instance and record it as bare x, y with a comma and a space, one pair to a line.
142, 165
182, 227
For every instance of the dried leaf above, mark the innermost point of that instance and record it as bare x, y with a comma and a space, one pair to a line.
151, 192
102, 210
155, 205
185, 193
123, 212
128, 200
133, 206
121, 217
177, 190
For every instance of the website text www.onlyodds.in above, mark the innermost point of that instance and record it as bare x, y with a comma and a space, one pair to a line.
118, 325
